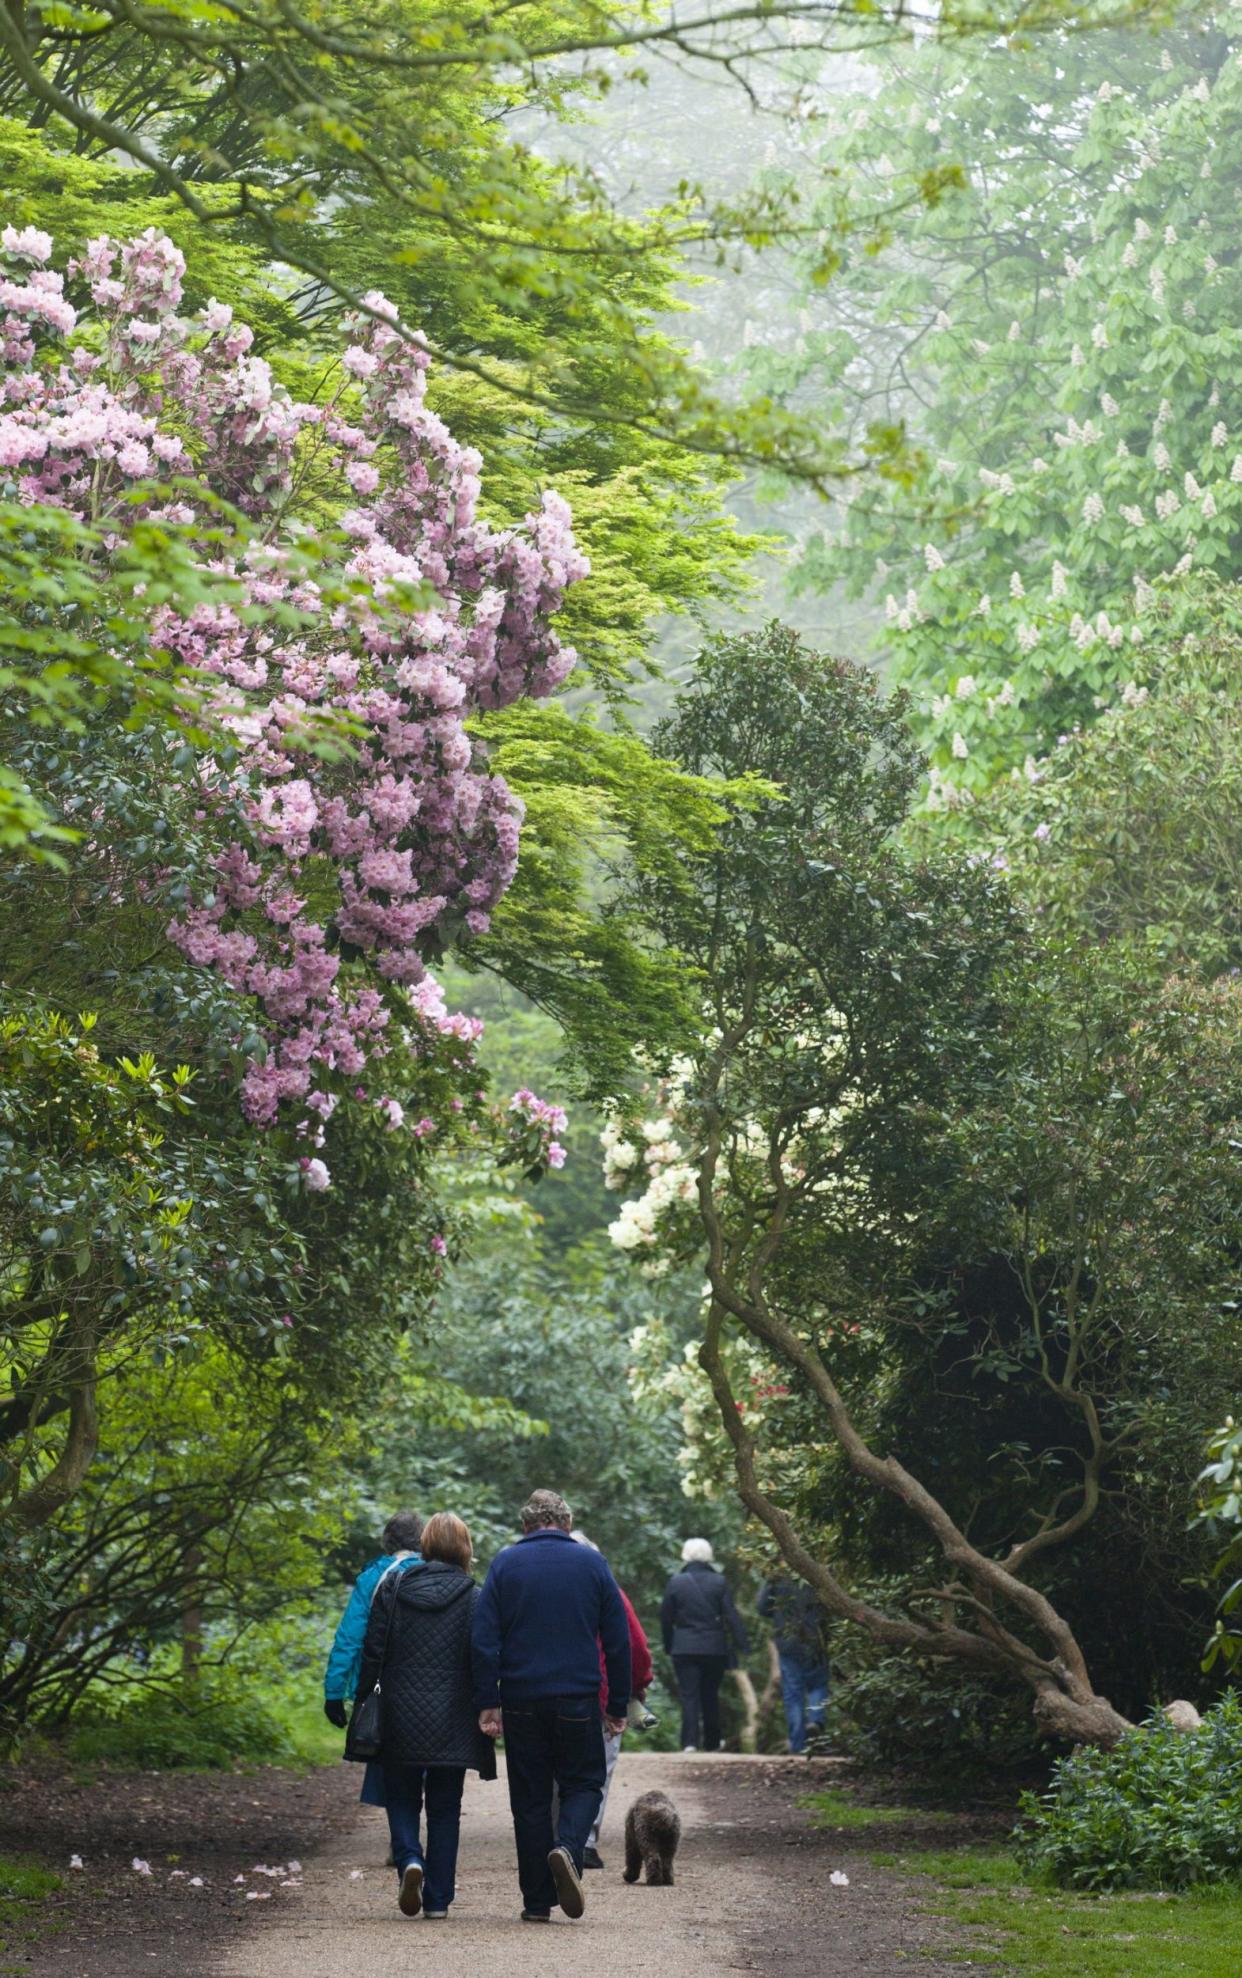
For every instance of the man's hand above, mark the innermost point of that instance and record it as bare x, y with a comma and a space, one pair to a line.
335, 1712
613, 1725
490, 1723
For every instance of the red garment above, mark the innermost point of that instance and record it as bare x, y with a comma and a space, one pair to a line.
641, 1666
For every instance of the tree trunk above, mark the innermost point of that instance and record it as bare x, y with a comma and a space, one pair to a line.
748, 1736
1065, 1705
770, 1694
54, 1489
1078, 1719
192, 1622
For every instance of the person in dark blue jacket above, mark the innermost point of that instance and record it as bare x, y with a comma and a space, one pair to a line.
546, 1609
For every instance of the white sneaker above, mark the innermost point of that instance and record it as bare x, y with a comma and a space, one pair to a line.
689, 1747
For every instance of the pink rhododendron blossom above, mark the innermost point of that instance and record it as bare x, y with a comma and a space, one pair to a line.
315, 1175
535, 1128
28, 245
444, 617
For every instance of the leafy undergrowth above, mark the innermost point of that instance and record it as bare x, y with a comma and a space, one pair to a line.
1161, 1810
219, 1727
1044, 1933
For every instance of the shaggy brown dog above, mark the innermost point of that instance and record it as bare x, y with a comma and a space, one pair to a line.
652, 1832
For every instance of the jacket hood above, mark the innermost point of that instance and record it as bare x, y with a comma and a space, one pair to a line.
433, 1586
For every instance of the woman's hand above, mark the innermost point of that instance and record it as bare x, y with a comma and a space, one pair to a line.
490, 1723
335, 1712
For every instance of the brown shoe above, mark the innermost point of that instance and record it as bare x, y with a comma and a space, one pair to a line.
410, 1894
568, 1882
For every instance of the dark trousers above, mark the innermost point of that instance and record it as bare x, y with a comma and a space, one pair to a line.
698, 1684
439, 1788
554, 1743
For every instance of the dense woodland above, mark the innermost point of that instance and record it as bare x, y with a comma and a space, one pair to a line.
619, 692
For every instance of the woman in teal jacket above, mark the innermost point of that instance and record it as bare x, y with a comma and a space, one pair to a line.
401, 1538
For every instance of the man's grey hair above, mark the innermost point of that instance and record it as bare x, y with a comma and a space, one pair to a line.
697, 1550
546, 1510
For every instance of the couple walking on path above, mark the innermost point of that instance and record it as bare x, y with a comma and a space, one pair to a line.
548, 1653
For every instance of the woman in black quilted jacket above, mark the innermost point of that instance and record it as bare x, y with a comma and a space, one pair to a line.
418, 1648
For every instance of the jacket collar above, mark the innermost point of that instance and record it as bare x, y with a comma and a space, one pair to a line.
546, 1531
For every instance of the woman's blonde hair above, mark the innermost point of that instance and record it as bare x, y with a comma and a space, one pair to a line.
446, 1537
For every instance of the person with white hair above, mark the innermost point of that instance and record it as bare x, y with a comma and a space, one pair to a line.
703, 1633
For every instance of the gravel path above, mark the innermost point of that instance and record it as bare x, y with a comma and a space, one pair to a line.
752, 1894
344, 1926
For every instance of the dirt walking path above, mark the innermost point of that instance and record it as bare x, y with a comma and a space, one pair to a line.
279, 1874
753, 1893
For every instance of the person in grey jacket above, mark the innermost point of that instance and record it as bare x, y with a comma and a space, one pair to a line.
703, 1632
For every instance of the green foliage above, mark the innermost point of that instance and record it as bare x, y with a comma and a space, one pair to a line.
597, 804
557, 1343
1058, 333
910, 1715
930, 1155
1130, 833
1220, 1519
1161, 1811
203, 1729
341, 151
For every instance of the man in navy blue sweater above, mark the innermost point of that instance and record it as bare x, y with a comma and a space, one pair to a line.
546, 1608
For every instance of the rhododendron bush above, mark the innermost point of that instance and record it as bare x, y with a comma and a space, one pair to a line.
364, 613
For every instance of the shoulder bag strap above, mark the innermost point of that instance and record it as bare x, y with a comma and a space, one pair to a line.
391, 1573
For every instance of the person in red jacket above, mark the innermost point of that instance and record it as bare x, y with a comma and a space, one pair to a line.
642, 1671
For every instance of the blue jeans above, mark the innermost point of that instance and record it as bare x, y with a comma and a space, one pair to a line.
552, 1742
804, 1686
440, 1786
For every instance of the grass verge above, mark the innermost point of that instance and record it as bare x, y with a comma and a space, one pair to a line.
23, 1886
839, 1811
1038, 1933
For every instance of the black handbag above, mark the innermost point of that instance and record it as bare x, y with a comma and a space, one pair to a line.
366, 1729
